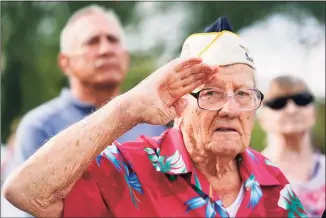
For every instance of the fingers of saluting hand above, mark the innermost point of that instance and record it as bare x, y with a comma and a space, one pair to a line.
194, 74
186, 63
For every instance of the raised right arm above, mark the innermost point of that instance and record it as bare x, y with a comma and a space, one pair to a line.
44, 180
39, 186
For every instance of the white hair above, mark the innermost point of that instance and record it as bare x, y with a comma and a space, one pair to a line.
66, 35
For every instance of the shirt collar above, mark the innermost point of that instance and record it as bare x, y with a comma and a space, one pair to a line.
67, 96
174, 159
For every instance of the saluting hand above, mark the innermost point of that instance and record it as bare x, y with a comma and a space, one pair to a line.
160, 95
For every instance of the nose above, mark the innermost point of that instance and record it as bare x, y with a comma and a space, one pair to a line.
230, 108
105, 47
291, 107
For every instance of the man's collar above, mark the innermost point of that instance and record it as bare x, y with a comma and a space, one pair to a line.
253, 163
174, 159
67, 96
173, 153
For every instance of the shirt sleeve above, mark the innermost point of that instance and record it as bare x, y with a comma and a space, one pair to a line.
85, 200
97, 192
29, 139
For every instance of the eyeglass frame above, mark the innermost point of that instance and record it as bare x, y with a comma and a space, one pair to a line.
196, 96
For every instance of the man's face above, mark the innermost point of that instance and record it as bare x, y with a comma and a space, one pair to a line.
97, 56
291, 119
205, 129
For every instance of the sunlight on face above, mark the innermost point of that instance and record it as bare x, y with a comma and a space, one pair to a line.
225, 131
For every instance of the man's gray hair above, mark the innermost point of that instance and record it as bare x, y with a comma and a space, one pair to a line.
66, 35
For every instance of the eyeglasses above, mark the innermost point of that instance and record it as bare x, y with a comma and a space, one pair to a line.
215, 99
300, 99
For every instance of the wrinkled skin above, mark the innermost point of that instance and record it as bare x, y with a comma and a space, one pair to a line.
198, 126
161, 93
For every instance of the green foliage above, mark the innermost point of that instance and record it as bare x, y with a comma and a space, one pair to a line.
141, 66
258, 137
319, 130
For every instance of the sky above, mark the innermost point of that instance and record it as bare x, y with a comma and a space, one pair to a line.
279, 44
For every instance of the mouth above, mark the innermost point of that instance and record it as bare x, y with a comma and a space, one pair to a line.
106, 64
226, 129
108, 67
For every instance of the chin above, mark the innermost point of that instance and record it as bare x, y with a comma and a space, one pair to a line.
107, 83
293, 129
109, 77
222, 147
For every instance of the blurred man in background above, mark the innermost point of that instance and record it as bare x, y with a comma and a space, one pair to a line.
94, 57
288, 116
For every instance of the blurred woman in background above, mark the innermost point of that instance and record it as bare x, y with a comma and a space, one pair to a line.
288, 116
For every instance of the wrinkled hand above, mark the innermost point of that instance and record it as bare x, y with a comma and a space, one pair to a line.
160, 95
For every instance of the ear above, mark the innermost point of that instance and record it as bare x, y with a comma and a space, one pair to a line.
63, 63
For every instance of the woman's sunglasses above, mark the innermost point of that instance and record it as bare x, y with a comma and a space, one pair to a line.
300, 99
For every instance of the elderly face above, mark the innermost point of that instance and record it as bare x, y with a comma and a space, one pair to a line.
290, 119
97, 55
225, 131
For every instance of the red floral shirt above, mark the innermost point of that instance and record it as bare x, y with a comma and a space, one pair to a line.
155, 177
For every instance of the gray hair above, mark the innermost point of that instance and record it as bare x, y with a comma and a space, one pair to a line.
66, 34
289, 81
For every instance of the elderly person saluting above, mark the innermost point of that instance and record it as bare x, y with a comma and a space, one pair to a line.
201, 168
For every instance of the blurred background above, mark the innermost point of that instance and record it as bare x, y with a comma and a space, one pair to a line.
284, 37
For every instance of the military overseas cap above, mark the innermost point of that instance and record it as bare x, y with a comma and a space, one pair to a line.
218, 45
